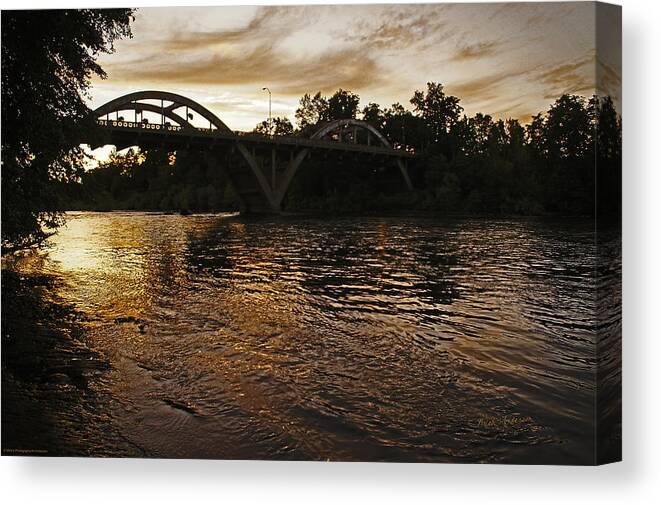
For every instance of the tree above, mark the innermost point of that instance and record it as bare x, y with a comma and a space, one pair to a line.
315, 109
281, 126
535, 135
568, 128
48, 60
403, 128
440, 111
373, 115
607, 127
482, 126
311, 110
342, 105
516, 134
497, 140
562, 143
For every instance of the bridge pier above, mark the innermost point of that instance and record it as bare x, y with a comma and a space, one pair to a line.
404, 170
273, 169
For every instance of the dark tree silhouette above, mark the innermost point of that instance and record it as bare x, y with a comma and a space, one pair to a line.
311, 110
440, 111
280, 126
404, 128
48, 59
342, 105
373, 115
314, 109
608, 150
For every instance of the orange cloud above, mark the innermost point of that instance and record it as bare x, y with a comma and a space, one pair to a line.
293, 76
475, 51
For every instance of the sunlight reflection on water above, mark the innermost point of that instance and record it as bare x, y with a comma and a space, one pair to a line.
414, 339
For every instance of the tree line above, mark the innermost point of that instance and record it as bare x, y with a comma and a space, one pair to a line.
557, 163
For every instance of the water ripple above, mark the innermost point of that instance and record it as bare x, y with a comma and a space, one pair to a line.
358, 338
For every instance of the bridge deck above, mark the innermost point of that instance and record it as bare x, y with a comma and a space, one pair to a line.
215, 135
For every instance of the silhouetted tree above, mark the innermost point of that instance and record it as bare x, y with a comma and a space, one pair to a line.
311, 110
535, 136
280, 126
440, 111
373, 115
48, 60
155, 179
608, 149
402, 127
567, 128
342, 105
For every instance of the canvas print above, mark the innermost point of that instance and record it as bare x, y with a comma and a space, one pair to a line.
313, 232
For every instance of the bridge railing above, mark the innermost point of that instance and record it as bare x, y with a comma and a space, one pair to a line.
251, 136
120, 123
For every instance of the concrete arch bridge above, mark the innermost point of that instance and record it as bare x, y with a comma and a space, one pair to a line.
260, 167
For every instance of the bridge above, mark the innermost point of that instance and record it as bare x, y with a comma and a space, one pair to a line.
259, 167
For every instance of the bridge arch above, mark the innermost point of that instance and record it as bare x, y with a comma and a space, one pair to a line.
350, 127
135, 101
338, 130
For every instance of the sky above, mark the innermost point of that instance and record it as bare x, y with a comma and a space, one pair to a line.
507, 59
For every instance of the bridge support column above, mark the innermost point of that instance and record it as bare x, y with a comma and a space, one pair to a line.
403, 168
273, 169
268, 193
290, 172
213, 161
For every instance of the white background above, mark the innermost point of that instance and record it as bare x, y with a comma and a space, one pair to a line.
94, 481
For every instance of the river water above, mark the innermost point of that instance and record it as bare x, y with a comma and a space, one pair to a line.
394, 339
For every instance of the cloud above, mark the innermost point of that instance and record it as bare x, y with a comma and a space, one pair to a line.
475, 51
397, 29
252, 54
292, 75
531, 15
609, 80
565, 73
576, 77
270, 23
487, 87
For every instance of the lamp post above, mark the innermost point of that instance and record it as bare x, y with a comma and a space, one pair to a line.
270, 124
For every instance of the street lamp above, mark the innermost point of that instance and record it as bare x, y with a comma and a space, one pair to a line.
270, 124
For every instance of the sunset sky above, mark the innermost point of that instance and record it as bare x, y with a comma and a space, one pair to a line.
507, 60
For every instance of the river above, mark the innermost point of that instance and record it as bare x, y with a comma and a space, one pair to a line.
353, 338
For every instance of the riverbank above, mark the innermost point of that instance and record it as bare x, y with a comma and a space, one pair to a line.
53, 399
381, 212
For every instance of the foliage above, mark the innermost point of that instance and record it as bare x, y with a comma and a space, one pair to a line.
481, 165
439, 111
281, 126
153, 180
342, 105
48, 60
315, 109
311, 110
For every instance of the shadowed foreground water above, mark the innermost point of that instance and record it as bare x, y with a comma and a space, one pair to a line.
409, 339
